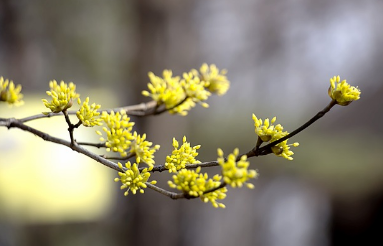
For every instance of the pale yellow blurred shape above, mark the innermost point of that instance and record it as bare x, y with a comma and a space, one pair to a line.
45, 182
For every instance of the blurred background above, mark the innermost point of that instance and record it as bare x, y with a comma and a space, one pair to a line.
279, 56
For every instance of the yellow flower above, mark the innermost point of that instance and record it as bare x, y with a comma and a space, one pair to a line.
195, 90
342, 92
12, 94
132, 179
283, 149
192, 88
166, 90
235, 173
86, 114
216, 81
118, 131
62, 96
266, 130
141, 148
218, 194
194, 183
190, 182
181, 156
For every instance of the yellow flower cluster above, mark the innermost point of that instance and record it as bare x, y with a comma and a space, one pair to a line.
62, 96
181, 156
87, 114
342, 92
189, 181
142, 149
166, 90
283, 149
236, 173
218, 194
195, 89
181, 94
9, 93
194, 183
118, 131
268, 132
216, 81
132, 179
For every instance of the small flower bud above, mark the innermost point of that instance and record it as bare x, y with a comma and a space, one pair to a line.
277, 150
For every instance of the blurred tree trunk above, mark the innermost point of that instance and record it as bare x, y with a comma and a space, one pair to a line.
10, 42
143, 217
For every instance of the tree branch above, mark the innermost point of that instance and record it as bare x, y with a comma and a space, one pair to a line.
156, 112
134, 110
256, 151
13, 123
120, 158
170, 194
223, 184
97, 145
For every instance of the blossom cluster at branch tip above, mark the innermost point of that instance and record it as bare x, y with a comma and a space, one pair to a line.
132, 179
236, 173
268, 132
195, 184
342, 92
10, 93
142, 149
62, 96
87, 114
118, 130
179, 95
216, 81
181, 156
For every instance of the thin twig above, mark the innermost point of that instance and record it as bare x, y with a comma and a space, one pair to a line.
175, 196
267, 148
170, 194
161, 168
121, 158
41, 116
13, 123
71, 127
135, 110
223, 184
156, 112
130, 110
97, 145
